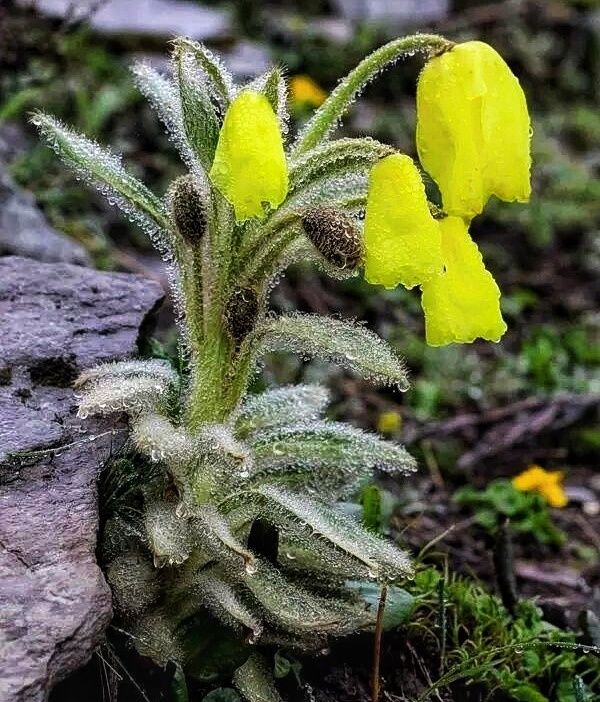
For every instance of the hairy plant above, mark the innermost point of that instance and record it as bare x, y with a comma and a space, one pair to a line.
239, 537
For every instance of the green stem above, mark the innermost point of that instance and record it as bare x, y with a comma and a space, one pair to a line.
332, 110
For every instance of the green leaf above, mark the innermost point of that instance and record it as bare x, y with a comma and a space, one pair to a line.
103, 169
378, 557
163, 95
327, 457
179, 688
370, 499
255, 682
274, 408
199, 117
331, 111
336, 158
218, 77
399, 604
346, 343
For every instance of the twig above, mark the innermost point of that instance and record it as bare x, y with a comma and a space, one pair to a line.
377, 645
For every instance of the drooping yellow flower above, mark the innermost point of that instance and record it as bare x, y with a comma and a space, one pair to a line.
463, 303
401, 239
473, 128
547, 483
304, 92
249, 167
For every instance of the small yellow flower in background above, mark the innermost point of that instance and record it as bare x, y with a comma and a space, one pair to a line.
249, 167
473, 128
304, 92
463, 303
547, 483
389, 422
402, 240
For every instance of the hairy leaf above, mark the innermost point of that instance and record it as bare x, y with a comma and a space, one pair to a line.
156, 368
350, 345
382, 558
104, 169
163, 95
215, 536
295, 608
274, 408
200, 121
136, 395
168, 533
218, 77
255, 682
329, 458
222, 599
336, 158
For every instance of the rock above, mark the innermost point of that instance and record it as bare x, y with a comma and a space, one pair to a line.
158, 18
247, 60
24, 230
57, 319
408, 12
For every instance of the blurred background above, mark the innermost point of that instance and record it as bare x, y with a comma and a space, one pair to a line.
476, 415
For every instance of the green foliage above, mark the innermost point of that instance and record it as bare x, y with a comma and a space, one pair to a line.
521, 658
528, 512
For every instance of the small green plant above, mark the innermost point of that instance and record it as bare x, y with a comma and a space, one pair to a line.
490, 654
528, 511
223, 528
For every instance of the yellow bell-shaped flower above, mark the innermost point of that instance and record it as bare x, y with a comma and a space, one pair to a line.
249, 167
463, 303
473, 128
402, 241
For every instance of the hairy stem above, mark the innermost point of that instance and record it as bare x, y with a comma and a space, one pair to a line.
331, 111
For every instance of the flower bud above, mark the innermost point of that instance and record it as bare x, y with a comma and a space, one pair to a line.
188, 209
241, 313
335, 236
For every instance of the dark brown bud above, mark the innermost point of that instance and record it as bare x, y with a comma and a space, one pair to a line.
335, 235
241, 313
188, 209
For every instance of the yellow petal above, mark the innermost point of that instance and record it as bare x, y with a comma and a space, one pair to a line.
530, 479
554, 494
473, 128
463, 303
305, 92
249, 167
401, 239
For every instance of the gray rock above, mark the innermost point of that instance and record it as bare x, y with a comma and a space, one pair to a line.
159, 18
24, 230
399, 12
57, 319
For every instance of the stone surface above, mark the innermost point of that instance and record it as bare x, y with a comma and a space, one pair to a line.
160, 18
56, 319
24, 230
405, 12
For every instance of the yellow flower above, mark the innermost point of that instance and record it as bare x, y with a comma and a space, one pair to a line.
389, 422
473, 128
304, 92
249, 167
463, 303
545, 482
401, 239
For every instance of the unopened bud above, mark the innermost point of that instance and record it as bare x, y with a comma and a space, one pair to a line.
335, 235
188, 209
241, 313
